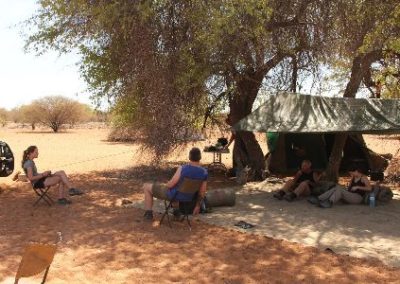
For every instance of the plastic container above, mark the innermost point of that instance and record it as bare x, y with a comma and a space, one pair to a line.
372, 200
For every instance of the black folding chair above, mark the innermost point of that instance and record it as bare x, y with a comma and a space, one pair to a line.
42, 195
188, 186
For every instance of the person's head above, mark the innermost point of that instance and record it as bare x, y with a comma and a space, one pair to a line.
30, 153
356, 171
306, 165
195, 154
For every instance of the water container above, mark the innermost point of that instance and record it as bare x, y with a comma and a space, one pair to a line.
372, 199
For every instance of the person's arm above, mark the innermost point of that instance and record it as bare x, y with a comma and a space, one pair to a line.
175, 178
367, 186
297, 176
233, 136
200, 197
316, 177
32, 178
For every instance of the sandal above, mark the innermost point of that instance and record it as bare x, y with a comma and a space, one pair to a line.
244, 225
64, 201
75, 191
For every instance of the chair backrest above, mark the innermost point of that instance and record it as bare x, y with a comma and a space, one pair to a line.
190, 186
36, 259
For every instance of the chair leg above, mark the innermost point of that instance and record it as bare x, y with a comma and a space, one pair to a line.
188, 221
42, 193
45, 274
167, 207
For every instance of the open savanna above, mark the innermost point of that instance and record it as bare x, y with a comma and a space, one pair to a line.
103, 242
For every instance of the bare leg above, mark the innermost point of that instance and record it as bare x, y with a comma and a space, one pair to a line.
61, 190
303, 189
64, 178
55, 180
148, 196
288, 186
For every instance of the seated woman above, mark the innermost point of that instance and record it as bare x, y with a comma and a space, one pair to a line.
358, 187
45, 179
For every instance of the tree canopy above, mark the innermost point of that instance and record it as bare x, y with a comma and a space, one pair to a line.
166, 63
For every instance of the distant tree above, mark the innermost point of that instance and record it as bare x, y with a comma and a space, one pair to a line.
25, 114
3, 116
56, 111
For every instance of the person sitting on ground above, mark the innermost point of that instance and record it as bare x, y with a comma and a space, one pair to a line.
192, 170
45, 179
301, 184
358, 187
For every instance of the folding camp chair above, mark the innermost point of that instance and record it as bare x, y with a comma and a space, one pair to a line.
36, 258
188, 186
42, 193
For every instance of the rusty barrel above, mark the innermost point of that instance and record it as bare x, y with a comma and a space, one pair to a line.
221, 197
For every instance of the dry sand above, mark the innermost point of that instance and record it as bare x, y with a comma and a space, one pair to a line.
105, 242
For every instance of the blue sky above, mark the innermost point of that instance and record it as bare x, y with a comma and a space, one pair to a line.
24, 76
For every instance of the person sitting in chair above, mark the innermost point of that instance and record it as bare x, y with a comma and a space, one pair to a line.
355, 193
45, 179
192, 170
301, 184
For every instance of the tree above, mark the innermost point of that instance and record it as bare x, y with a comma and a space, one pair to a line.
160, 56
56, 111
368, 33
25, 114
168, 62
3, 116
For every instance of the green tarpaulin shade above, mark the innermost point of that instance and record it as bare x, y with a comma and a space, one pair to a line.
295, 113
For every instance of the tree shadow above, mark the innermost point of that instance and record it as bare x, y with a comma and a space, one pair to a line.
103, 240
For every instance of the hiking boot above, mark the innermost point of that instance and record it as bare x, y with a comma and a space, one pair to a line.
64, 201
148, 215
290, 196
313, 200
325, 204
279, 194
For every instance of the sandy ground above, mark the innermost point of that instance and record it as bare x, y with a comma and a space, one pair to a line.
105, 242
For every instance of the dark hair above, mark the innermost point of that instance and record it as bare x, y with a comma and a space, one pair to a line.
195, 154
358, 168
25, 154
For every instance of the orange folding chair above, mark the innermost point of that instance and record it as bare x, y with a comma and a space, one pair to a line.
36, 259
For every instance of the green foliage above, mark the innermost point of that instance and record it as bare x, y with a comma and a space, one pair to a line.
157, 61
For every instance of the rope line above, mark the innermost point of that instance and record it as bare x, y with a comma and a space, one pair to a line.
93, 159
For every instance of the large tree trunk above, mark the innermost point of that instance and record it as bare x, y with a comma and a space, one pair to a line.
360, 67
332, 171
246, 151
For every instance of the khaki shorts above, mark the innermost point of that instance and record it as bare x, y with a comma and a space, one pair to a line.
160, 190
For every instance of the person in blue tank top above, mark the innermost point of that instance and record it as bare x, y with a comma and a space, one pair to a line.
192, 170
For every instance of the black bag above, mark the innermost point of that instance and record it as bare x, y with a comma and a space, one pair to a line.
6, 160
